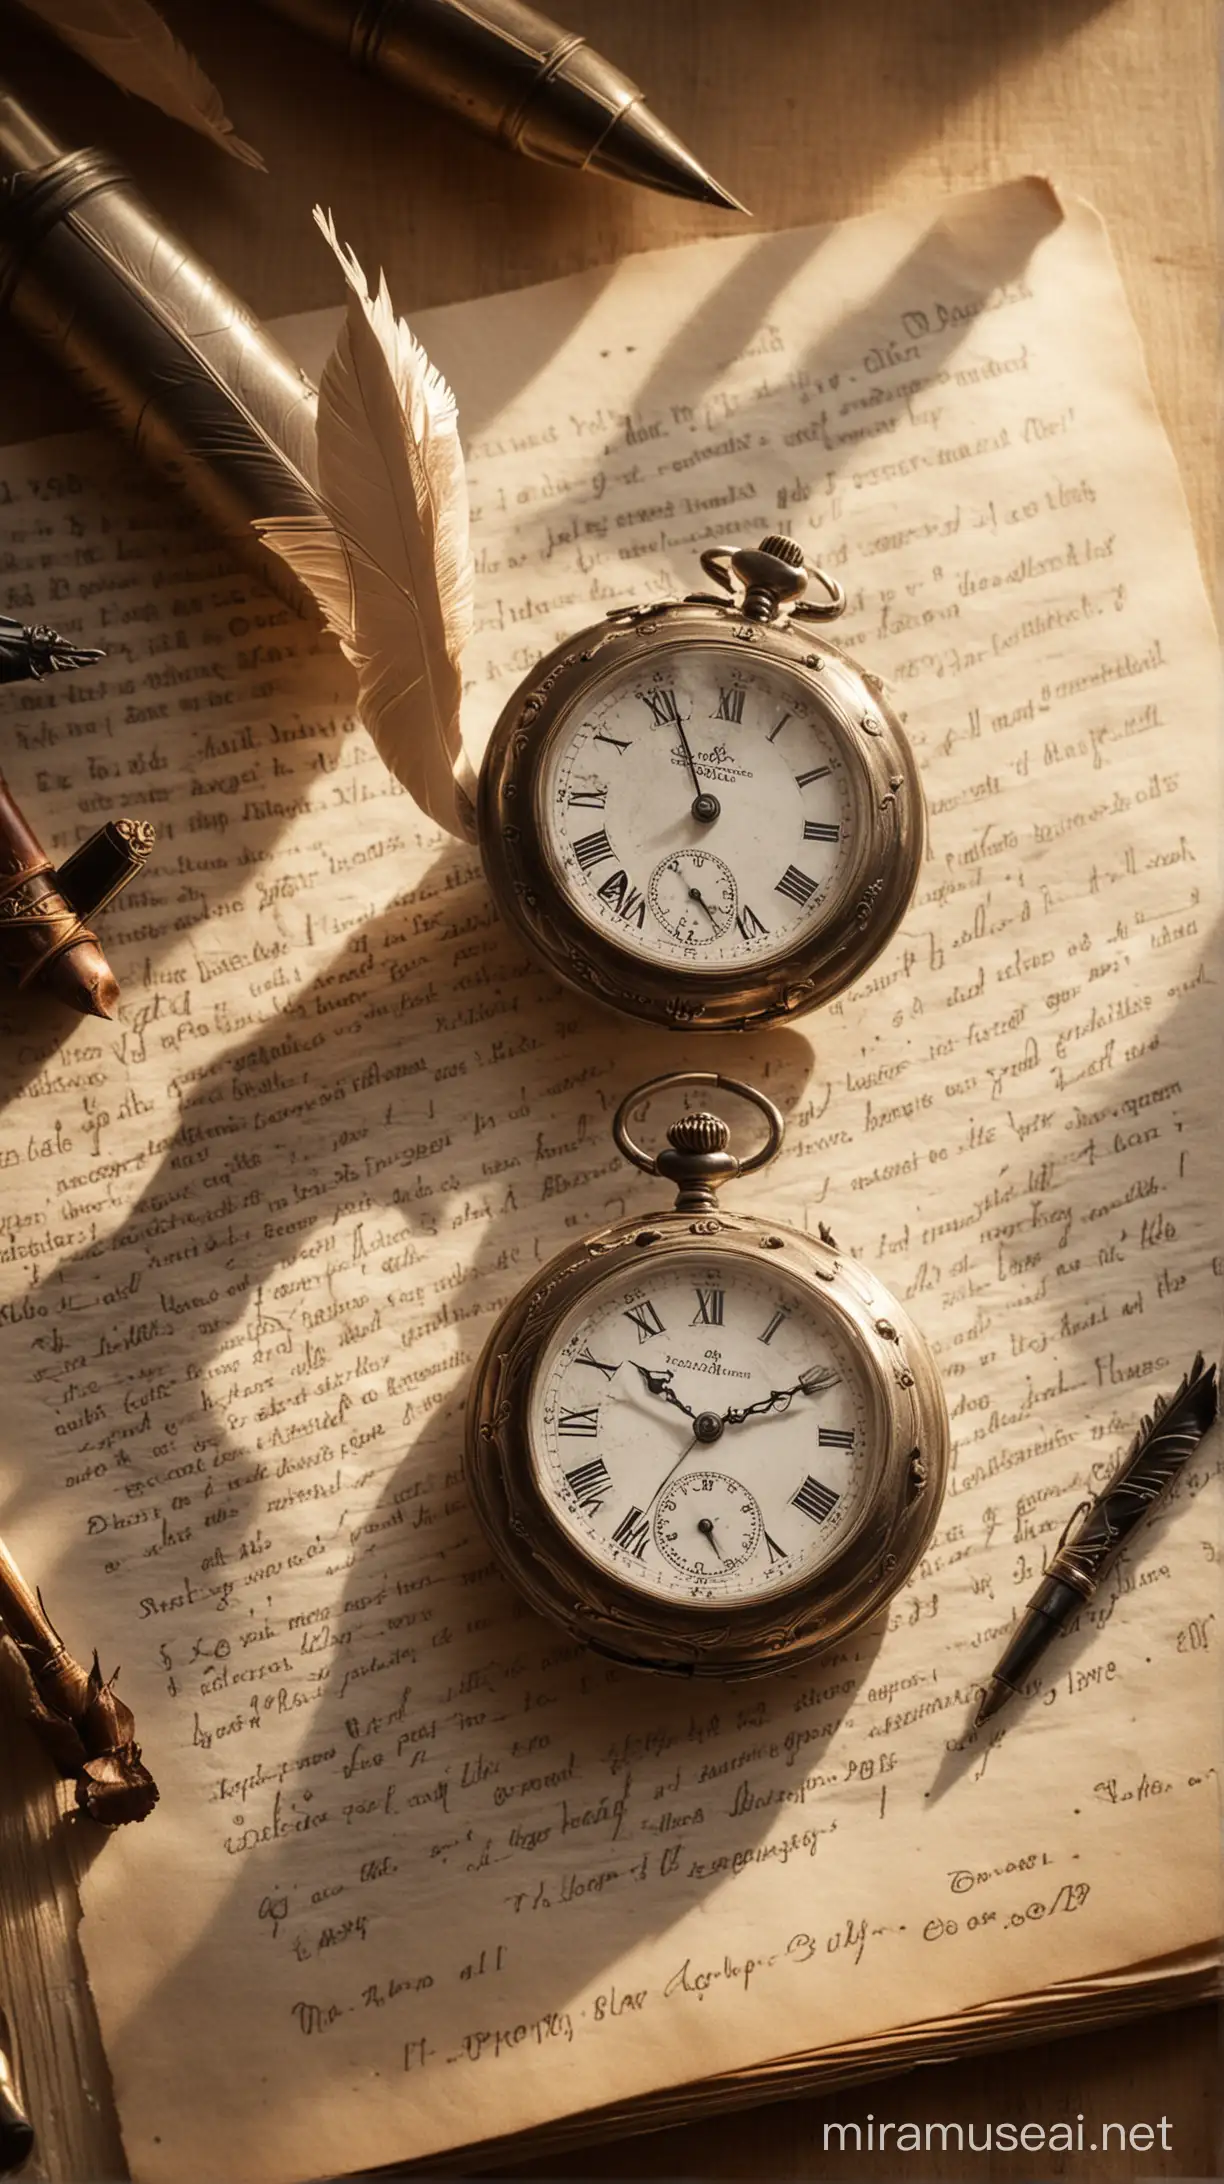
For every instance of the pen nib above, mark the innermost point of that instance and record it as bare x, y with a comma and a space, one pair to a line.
993, 1698
715, 194
996, 1695
101, 997
638, 148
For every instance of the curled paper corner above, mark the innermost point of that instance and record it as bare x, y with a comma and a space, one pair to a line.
1045, 186
990, 235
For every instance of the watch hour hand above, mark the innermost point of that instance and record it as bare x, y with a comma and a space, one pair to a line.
660, 1384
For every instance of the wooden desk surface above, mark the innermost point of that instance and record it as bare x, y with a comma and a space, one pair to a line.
809, 113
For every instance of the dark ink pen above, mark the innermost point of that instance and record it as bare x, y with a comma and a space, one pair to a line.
1098, 1530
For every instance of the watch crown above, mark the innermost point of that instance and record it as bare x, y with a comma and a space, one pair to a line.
782, 549
699, 1134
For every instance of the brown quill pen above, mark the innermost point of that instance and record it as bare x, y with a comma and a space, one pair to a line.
128, 41
87, 1729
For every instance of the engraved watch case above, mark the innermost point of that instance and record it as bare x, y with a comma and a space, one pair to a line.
538, 1539
761, 619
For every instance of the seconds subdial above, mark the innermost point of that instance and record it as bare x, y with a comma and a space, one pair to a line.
693, 895
706, 1521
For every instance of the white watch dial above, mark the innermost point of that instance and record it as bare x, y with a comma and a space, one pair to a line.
699, 809
701, 1430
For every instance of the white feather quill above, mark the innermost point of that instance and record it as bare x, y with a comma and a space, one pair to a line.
128, 41
390, 561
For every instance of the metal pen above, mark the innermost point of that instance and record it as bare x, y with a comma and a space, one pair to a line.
138, 322
517, 77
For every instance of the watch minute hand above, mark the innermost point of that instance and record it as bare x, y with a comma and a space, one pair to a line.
813, 1383
705, 806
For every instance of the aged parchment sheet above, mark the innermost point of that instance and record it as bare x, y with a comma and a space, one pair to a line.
423, 1872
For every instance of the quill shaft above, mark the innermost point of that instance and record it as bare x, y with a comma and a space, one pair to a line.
150, 334
1098, 1530
129, 42
21, 1613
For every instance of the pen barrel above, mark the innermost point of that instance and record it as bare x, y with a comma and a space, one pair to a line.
38, 924
93, 874
1089, 1551
501, 67
145, 329
1051, 1607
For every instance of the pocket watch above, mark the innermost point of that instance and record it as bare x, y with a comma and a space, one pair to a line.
705, 1442
701, 812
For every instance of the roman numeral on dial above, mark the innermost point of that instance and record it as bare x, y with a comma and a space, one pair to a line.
821, 830
661, 704
709, 1311
730, 706
615, 741
776, 731
836, 1437
632, 1532
579, 1421
624, 899
588, 799
815, 1500
584, 1357
794, 883
646, 1319
591, 849
748, 924
816, 773
773, 1327
591, 1483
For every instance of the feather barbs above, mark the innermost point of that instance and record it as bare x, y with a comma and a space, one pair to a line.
128, 41
389, 561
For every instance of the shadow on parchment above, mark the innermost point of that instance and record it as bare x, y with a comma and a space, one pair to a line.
1096, 1218
1098, 1226
333, 1224
288, 1162
834, 382
793, 487
825, 106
